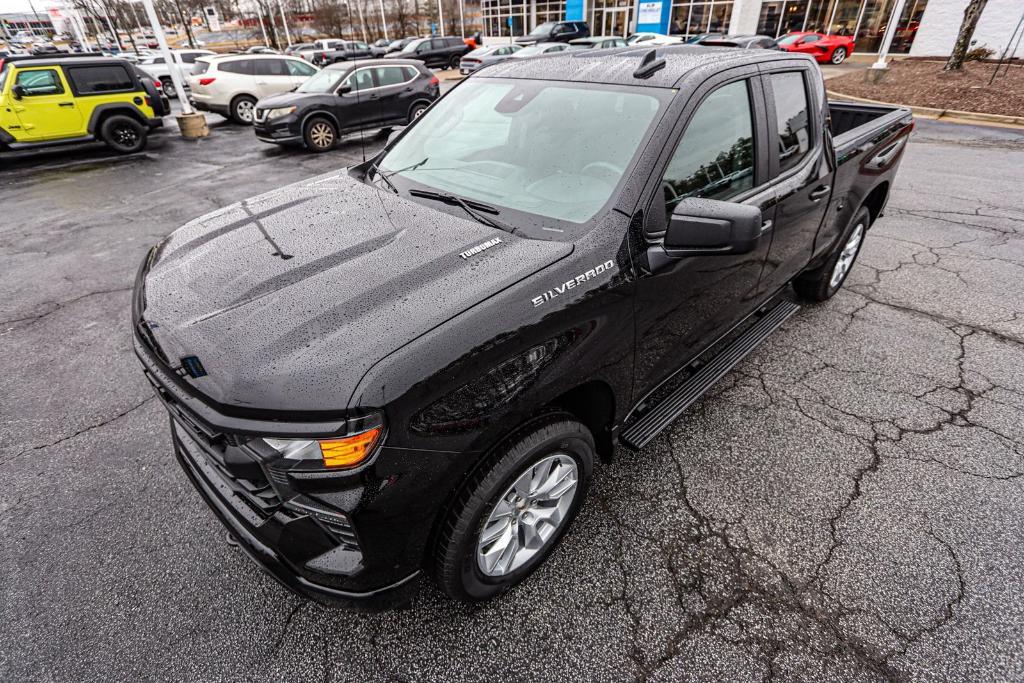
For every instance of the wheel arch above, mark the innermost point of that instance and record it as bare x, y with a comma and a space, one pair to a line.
104, 111
876, 200
593, 404
319, 112
426, 101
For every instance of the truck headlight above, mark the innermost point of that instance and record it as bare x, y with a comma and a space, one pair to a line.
343, 452
278, 113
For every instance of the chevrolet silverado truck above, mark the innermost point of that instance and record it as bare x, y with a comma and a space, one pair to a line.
414, 365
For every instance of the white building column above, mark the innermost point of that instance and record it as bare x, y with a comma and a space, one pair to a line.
745, 14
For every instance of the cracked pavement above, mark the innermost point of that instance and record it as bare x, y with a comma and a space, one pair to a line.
845, 505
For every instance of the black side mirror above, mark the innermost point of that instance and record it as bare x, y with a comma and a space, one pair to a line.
345, 89
706, 227
18, 91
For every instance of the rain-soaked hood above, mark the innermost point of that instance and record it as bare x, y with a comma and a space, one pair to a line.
289, 297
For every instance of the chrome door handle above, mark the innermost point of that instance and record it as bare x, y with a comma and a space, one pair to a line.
766, 226
819, 192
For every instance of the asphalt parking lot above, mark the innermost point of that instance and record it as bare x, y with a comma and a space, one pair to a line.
846, 505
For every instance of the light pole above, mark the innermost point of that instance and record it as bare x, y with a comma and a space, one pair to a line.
440, 15
462, 18
890, 31
384, 20
287, 34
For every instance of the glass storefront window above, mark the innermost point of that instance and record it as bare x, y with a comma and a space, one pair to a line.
497, 12
693, 18
864, 19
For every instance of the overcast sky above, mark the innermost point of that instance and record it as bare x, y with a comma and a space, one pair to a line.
22, 6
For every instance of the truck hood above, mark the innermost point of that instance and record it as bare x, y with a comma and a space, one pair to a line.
288, 298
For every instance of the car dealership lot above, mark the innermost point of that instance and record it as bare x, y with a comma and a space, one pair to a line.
845, 505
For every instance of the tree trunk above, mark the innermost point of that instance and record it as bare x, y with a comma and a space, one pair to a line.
963, 40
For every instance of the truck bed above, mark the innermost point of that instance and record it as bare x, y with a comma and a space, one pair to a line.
853, 121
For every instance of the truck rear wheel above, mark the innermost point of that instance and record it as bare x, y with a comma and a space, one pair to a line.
123, 134
823, 282
514, 509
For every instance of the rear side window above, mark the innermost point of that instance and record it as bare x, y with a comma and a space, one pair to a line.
40, 82
298, 68
792, 118
239, 66
715, 157
391, 75
200, 68
271, 67
88, 80
454, 42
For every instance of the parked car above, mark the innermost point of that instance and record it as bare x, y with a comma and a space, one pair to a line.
46, 49
346, 51
379, 47
538, 49
555, 32
62, 99
261, 50
230, 85
155, 66
23, 38
295, 47
742, 41
825, 49
420, 363
645, 39
598, 42
484, 56
398, 45
693, 40
443, 52
304, 52
344, 98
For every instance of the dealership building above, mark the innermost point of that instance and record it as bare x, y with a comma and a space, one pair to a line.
925, 27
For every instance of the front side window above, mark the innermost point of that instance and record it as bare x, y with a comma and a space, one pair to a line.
40, 82
360, 80
545, 150
715, 157
792, 119
89, 80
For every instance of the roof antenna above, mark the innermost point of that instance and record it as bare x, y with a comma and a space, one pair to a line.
649, 65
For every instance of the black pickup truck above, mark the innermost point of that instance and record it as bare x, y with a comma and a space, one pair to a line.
415, 364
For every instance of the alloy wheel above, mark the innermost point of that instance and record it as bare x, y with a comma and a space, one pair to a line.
245, 111
839, 56
846, 257
321, 135
527, 515
125, 136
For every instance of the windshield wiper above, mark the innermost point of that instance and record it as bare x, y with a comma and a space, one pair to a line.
411, 167
376, 169
471, 206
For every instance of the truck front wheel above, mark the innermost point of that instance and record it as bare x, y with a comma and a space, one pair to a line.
514, 509
823, 282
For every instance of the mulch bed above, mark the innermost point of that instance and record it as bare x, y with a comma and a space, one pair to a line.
923, 83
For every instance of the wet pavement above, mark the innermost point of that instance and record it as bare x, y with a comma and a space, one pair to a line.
845, 505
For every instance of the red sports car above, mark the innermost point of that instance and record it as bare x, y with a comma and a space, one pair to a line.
825, 49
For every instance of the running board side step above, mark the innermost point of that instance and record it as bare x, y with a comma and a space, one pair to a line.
641, 432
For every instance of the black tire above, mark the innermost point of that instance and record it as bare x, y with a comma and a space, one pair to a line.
453, 63
838, 55
416, 110
168, 85
456, 565
123, 134
243, 109
320, 134
820, 284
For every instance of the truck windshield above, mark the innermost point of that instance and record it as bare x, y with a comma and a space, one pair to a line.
541, 149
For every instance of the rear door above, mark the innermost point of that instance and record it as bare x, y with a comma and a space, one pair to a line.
799, 166
394, 92
47, 109
273, 76
718, 151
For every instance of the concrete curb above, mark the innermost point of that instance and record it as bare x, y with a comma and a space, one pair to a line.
950, 115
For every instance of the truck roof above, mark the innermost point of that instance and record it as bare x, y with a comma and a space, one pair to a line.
618, 66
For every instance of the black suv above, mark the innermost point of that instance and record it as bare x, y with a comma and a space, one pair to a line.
346, 97
346, 51
556, 32
440, 53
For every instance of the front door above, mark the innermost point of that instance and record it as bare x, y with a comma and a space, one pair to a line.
686, 305
356, 107
272, 77
801, 172
47, 108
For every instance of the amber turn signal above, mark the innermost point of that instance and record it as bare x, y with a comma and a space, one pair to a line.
350, 451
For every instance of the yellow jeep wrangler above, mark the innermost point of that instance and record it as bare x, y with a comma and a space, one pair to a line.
59, 99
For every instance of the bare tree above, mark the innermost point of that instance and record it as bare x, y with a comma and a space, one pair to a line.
963, 40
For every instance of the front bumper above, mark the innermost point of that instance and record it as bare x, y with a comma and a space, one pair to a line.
283, 130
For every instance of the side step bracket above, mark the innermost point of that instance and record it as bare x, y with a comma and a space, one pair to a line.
641, 432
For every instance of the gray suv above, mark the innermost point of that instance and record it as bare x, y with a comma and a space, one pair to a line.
556, 32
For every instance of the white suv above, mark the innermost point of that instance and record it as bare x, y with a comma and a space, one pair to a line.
230, 85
